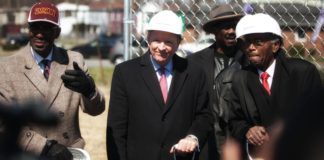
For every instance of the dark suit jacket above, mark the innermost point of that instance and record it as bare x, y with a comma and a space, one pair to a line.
216, 138
251, 105
140, 125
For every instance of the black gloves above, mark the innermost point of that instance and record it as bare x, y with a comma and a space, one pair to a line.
78, 81
55, 151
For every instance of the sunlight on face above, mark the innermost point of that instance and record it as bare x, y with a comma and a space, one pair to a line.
162, 46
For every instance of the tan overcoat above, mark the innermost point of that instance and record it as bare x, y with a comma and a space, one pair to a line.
21, 79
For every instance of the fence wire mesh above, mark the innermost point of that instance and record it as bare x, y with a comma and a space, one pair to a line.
301, 22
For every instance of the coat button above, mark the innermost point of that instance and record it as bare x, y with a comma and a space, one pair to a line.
66, 135
28, 134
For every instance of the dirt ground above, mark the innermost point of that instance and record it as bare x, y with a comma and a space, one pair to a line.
93, 130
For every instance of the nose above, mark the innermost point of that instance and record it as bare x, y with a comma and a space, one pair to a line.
231, 30
161, 46
39, 35
251, 46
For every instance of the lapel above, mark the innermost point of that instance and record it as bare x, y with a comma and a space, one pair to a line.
209, 62
178, 80
259, 94
59, 64
32, 71
149, 77
281, 74
281, 85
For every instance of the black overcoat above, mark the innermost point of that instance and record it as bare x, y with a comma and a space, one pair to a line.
140, 125
251, 105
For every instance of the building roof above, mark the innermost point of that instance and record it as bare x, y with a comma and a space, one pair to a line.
290, 14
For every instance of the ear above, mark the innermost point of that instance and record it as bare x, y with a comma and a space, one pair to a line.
179, 39
275, 46
148, 37
57, 32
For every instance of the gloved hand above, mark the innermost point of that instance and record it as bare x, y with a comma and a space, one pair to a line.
55, 151
78, 81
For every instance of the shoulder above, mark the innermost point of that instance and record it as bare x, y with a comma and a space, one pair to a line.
195, 69
129, 65
71, 54
13, 62
202, 54
299, 65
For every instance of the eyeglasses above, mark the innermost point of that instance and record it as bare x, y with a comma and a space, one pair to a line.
258, 42
42, 27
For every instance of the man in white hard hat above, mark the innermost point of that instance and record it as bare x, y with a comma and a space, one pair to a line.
215, 59
266, 90
158, 102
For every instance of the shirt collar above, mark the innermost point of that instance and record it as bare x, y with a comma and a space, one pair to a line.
156, 66
39, 58
270, 69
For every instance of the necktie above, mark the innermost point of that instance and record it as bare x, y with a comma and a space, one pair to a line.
163, 84
264, 78
46, 64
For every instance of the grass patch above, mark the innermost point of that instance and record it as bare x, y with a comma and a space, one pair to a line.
102, 76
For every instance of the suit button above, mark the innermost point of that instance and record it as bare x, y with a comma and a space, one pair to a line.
66, 135
28, 134
61, 114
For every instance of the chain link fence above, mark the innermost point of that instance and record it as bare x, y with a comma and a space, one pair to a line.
301, 23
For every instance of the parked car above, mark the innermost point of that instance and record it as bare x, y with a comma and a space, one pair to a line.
99, 47
203, 42
138, 47
13, 42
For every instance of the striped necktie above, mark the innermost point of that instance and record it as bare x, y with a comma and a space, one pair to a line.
46, 63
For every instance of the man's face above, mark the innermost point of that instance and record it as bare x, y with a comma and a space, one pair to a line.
162, 46
42, 36
260, 49
225, 34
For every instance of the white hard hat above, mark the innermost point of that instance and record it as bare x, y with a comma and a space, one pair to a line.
166, 21
257, 23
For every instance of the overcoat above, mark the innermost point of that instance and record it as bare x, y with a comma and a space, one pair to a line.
213, 67
21, 80
140, 125
251, 105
